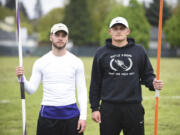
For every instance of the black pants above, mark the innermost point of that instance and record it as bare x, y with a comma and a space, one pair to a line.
57, 127
126, 117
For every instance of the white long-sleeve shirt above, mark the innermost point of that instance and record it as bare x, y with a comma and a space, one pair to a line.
60, 76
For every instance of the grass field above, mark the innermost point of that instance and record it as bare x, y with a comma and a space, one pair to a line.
10, 103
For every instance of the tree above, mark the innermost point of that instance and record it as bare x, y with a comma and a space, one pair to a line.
172, 28
24, 21
6, 12
98, 12
152, 13
38, 9
23, 10
10, 4
45, 23
77, 18
135, 15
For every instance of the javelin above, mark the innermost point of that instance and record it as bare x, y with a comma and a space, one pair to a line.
158, 66
18, 37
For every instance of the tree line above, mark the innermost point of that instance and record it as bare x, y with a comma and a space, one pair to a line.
88, 20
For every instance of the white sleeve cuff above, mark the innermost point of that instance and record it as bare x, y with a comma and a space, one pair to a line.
82, 117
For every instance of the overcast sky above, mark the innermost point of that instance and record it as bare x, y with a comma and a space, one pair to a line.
47, 5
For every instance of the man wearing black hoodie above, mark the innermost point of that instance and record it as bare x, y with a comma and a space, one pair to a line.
119, 69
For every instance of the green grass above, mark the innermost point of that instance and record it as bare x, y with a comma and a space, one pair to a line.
10, 102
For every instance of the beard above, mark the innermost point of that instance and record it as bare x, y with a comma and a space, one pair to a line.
59, 47
120, 39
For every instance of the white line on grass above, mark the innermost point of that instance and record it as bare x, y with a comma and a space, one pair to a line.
4, 101
145, 98
162, 97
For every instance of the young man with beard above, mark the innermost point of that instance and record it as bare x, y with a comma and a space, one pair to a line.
61, 73
119, 69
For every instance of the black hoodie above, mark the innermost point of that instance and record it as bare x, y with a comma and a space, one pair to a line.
118, 72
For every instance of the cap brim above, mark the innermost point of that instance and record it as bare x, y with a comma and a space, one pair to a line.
60, 30
117, 24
